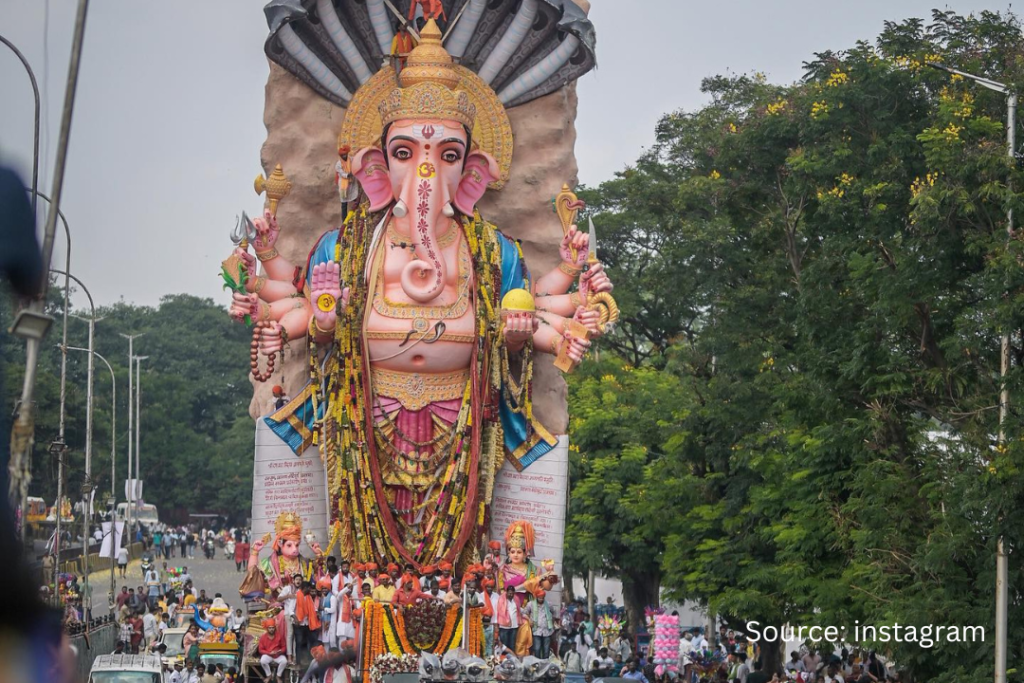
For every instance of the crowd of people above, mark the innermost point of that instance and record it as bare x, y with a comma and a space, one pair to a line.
319, 619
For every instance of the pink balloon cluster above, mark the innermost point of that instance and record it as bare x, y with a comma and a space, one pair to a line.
666, 643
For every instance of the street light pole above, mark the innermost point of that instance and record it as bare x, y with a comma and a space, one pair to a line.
113, 460
130, 491
1002, 568
138, 414
87, 480
59, 447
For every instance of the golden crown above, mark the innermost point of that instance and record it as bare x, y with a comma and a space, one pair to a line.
428, 87
286, 520
517, 538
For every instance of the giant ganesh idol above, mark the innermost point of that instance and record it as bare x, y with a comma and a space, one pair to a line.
419, 321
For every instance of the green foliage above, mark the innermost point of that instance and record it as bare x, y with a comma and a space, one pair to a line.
821, 274
196, 436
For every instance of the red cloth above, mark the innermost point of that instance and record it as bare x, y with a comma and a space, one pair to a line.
242, 552
272, 645
136, 630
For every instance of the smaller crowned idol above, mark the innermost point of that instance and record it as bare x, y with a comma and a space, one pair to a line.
518, 570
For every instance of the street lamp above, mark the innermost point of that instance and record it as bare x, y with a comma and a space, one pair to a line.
138, 414
88, 436
129, 493
1002, 570
113, 458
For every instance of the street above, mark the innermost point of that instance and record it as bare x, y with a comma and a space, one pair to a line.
215, 576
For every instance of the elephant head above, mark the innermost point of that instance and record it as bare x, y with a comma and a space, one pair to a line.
425, 172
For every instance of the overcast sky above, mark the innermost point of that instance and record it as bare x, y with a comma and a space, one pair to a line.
169, 116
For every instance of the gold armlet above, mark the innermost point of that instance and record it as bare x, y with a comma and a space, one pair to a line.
264, 311
556, 344
316, 324
261, 281
567, 268
576, 300
267, 255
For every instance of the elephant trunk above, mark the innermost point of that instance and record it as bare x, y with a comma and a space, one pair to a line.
424, 277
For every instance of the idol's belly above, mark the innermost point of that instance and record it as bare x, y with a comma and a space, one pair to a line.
423, 345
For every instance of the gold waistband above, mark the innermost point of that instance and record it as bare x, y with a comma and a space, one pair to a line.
416, 391
413, 335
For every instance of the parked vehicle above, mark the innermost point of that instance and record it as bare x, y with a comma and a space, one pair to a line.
173, 638
126, 669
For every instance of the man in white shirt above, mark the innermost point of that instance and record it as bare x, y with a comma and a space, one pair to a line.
604, 662
573, 661
286, 596
588, 660
699, 641
149, 627
508, 618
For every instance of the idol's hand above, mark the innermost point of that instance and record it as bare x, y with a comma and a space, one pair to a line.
267, 231
271, 341
243, 305
257, 546
250, 267
316, 548
519, 326
589, 319
594, 280
577, 347
577, 241
326, 295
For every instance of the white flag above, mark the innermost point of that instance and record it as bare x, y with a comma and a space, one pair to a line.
105, 549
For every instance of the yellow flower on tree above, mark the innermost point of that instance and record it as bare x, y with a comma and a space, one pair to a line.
776, 107
836, 79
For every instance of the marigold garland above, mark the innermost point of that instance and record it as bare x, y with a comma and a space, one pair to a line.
347, 440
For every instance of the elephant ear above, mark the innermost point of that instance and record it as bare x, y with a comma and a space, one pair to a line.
481, 169
371, 170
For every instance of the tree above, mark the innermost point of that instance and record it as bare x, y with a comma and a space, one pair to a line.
844, 275
196, 435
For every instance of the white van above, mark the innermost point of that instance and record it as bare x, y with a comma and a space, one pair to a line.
126, 669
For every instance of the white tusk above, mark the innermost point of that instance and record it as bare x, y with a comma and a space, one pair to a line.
447, 210
400, 210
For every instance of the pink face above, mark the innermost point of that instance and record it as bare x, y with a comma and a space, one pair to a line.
423, 152
290, 549
516, 555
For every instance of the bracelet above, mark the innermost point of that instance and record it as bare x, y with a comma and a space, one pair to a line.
576, 300
261, 281
264, 311
316, 323
556, 345
267, 255
567, 268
